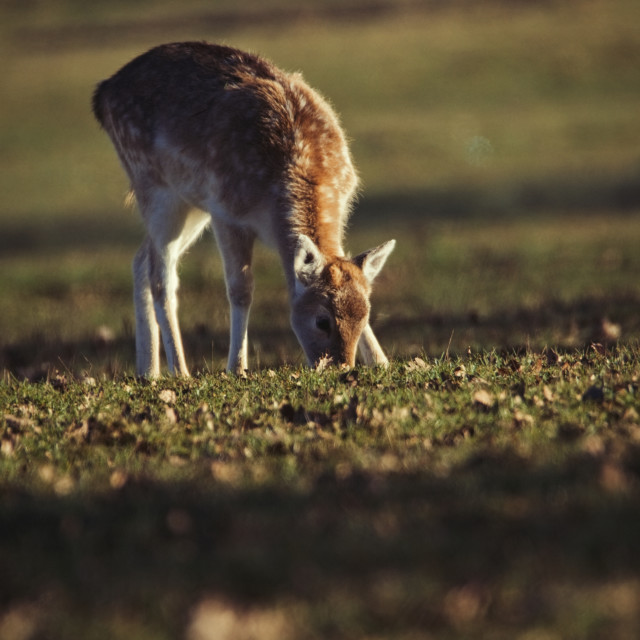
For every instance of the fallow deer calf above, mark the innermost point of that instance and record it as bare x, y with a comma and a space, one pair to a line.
211, 135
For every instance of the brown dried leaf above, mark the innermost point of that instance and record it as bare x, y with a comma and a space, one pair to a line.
168, 396
226, 472
17, 424
483, 398
64, 485
118, 479
416, 364
81, 431
6, 448
465, 605
613, 477
216, 620
522, 419
610, 331
323, 363
47, 473
460, 372
172, 416
350, 378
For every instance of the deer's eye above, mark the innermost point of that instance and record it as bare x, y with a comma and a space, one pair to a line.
323, 324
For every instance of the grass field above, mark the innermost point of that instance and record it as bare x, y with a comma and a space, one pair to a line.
484, 486
492, 496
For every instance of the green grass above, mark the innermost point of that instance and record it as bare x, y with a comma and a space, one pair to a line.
475, 497
555, 282
491, 99
485, 485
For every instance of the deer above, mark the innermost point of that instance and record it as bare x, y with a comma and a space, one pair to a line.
214, 137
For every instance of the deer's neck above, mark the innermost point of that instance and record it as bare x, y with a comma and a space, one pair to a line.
318, 214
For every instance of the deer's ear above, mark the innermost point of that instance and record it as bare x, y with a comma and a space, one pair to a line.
373, 260
308, 262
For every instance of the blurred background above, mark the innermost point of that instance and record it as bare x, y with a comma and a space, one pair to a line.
499, 142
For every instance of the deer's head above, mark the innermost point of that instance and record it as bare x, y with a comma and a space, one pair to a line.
330, 307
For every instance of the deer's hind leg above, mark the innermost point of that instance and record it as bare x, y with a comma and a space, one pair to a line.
236, 247
147, 329
172, 226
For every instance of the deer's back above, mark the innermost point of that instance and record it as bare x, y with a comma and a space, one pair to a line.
197, 114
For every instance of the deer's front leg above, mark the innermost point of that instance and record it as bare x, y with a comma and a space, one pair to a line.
370, 349
236, 247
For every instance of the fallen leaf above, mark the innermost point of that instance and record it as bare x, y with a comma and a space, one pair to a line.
350, 378
7, 447
47, 473
217, 620
594, 446
613, 478
483, 398
465, 605
521, 418
227, 472
104, 336
172, 416
59, 382
610, 331
118, 479
80, 432
168, 396
416, 364
323, 363
17, 424
64, 485
21, 621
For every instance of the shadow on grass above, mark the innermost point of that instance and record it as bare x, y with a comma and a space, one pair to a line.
565, 193
555, 323
370, 552
38, 355
105, 34
621, 193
